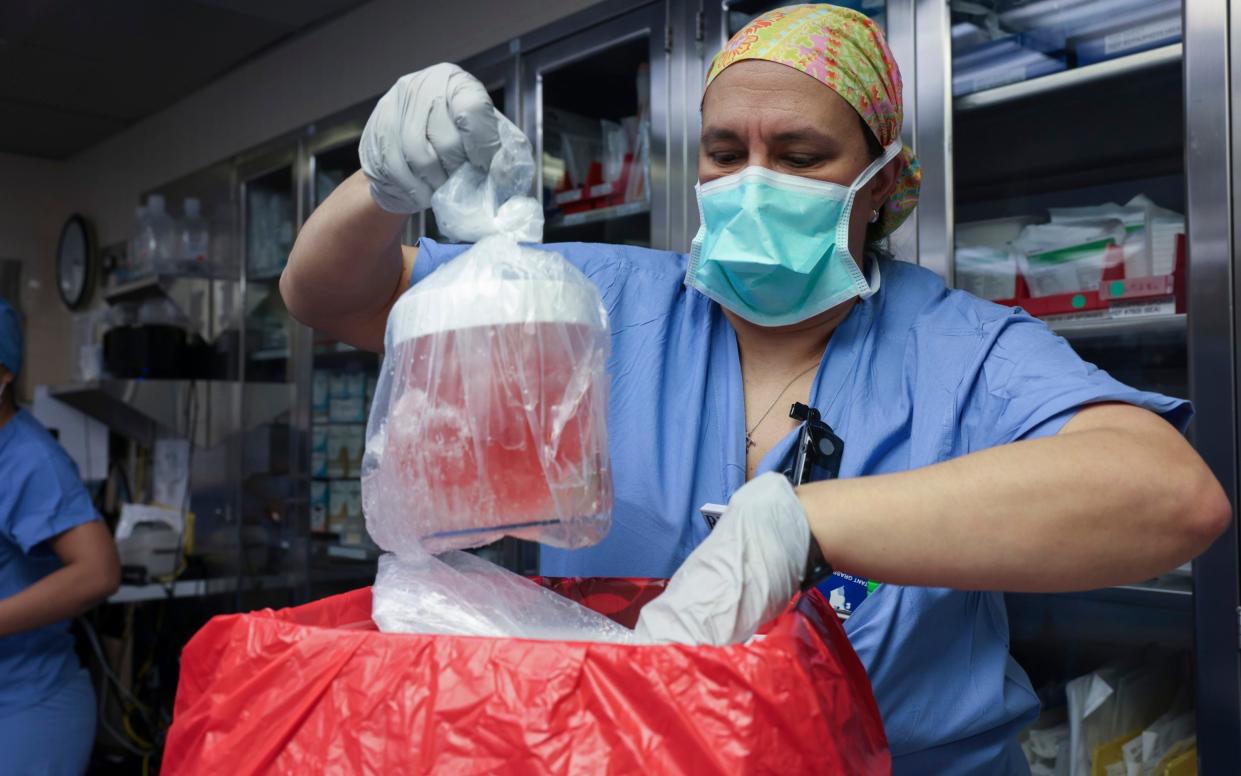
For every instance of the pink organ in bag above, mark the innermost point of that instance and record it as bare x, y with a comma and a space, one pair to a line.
490, 416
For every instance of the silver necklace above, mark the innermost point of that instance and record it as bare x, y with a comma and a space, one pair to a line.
749, 441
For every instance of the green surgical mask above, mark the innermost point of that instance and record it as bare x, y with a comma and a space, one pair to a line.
774, 248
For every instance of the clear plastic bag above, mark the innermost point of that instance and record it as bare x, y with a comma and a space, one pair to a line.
463, 595
490, 413
473, 204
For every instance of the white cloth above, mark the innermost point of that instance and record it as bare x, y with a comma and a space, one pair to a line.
426, 126
741, 576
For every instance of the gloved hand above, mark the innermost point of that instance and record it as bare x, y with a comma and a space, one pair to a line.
426, 126
741, 576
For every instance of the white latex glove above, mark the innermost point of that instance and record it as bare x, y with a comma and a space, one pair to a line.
426, 126
741, 576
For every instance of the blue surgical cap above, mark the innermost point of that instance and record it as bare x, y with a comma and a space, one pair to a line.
10, 338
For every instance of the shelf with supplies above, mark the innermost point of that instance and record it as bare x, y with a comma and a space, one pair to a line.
1067, 79
1161, 326
142, 409
166, 284
609, 213
336, 355
1171, 591
269, 354
197, 588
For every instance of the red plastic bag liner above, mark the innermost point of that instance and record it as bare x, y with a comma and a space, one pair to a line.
317, 689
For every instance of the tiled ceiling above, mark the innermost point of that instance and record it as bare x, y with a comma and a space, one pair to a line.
73, 72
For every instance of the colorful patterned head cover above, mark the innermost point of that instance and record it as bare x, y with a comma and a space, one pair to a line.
844, 50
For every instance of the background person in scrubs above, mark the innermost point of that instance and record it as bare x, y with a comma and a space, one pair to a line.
57, 560
981, 454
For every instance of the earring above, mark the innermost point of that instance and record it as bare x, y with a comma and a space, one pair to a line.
874, 216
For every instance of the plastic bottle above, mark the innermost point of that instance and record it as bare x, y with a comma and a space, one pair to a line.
194, 237
163, 234
138, 258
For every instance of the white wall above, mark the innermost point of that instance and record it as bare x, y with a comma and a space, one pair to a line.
32, 210
313, 76
338, 65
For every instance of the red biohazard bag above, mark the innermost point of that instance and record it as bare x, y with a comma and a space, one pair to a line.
317, 689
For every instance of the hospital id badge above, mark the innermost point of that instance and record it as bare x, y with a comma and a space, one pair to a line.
845, 592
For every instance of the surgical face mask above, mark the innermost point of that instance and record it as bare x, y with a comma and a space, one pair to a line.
774, 248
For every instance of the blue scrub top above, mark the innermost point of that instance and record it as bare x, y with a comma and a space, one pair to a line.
914, 375
41, 497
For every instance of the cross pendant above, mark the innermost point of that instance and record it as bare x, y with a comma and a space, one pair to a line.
749, 442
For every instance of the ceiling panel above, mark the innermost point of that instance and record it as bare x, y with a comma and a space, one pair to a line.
109, 64
295, 13
32, 130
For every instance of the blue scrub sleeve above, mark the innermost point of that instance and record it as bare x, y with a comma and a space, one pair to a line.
432, 255
49, 499
1031, 383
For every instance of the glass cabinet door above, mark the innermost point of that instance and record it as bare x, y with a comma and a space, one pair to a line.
269, 213
597, 119
1069, 187
1067, 198
341, 382
271, 539
739, 13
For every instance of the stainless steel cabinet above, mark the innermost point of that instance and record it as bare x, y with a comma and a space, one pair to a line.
1072, 157
272, 524
596, 111
336, 382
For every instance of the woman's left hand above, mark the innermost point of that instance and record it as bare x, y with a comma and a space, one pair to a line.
741, 576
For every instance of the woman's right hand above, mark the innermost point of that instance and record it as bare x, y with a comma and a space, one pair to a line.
426, 126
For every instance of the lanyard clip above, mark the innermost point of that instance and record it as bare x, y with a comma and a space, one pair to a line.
817, 452
816, 456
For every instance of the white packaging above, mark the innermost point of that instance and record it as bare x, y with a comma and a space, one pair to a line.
989, 273
992, 232
346, 398
1135, 243
1066, 258
320, 393
1162, 228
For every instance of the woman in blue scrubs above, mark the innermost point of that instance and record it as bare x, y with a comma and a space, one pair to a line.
57, 560
980, 453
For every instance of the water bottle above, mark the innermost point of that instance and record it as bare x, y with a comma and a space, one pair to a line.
194, 237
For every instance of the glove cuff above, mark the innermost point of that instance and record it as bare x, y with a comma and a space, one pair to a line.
396, 205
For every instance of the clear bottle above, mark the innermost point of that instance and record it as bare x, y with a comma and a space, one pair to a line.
193, 238
138, 257
163, 235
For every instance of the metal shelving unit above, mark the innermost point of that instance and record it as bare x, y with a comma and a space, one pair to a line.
1129, 65
198, 588
600, 215
1174, 325
1080, 129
